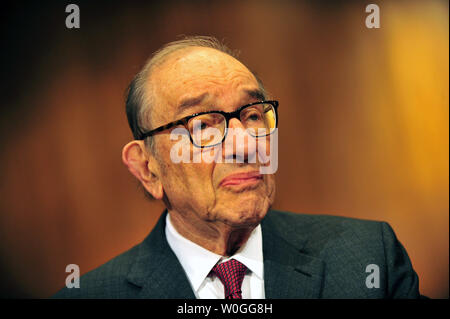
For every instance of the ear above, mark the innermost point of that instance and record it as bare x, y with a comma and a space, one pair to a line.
143, 165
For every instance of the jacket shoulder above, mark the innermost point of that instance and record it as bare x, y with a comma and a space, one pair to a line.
106, 281
323, 235
349, 247
322, 228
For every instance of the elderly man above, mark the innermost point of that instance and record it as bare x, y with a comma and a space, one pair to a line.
218, 237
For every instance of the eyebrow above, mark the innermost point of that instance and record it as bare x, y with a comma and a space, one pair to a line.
196, 100
191, 101
256, 94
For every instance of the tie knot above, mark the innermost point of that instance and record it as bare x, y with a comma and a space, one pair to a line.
231, 274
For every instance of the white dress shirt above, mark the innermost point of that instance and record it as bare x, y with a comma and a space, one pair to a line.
197, 263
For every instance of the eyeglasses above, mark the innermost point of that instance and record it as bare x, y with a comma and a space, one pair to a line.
207, 129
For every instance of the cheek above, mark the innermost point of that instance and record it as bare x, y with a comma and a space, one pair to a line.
197, 191
188, 182
183, 163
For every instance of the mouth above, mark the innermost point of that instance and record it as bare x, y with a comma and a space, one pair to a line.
242, 179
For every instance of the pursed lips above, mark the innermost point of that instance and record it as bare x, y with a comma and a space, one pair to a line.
241, 178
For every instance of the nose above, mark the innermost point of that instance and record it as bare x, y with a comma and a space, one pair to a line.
239, 146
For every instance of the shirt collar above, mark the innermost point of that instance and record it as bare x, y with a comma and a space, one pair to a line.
197, 261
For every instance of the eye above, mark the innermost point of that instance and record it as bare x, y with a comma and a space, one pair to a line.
200, 125
253, 115
204, 122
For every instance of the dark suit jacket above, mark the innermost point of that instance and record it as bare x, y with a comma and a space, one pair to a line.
305, 256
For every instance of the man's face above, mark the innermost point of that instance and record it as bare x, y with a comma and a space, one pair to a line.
197, 80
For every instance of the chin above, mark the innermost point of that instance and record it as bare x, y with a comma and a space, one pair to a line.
243, 211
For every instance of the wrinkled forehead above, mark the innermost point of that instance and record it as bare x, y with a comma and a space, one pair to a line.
196, 71
199, 63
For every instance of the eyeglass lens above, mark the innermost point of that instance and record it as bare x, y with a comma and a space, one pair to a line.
209, 129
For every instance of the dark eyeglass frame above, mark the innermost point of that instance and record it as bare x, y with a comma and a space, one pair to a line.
227, 115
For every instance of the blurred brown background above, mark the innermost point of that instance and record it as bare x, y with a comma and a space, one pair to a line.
364, 123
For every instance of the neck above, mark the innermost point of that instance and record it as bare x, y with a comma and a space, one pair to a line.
217, 237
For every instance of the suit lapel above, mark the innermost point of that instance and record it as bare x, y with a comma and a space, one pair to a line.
288, 272
156, 269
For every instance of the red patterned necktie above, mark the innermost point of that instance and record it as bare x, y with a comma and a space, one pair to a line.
231, 274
